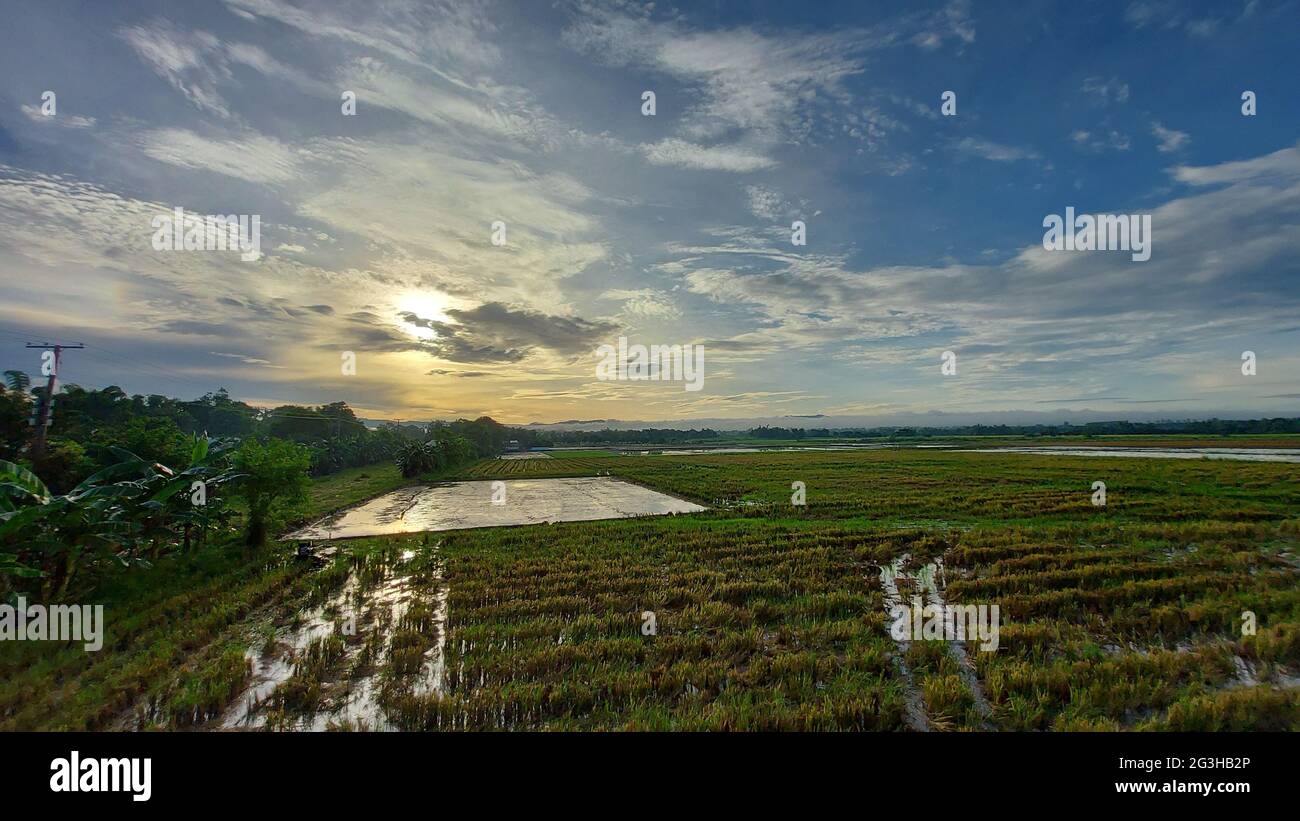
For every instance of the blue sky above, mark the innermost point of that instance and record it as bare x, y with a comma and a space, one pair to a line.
924, 230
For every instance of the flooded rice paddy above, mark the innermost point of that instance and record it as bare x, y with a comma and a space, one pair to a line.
1244, 454
787, 449
460, 505
324, 669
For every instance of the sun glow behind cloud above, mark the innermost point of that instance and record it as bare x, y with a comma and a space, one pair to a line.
426, 304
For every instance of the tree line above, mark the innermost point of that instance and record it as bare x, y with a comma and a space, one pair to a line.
125, 480
1202, 427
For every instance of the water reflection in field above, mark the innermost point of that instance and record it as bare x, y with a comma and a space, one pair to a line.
460, 505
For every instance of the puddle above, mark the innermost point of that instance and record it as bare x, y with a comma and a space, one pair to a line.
914, 704
1243, 454
460, 505
514, 457
272, 663
356, 626
1247, 674
928, 583
434, 669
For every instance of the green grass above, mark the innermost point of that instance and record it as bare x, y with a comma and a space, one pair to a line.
769, 616
347, 487
579, 454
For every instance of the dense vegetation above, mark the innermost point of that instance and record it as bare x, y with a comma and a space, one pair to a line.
124, 480
529, 437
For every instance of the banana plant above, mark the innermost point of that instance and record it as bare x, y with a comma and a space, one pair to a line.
55, 533
111, 516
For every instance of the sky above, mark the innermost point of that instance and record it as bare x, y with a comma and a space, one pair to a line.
924, 228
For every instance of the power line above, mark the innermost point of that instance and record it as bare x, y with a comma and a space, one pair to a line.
159, 368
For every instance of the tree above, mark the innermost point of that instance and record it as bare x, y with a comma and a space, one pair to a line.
444, 449
273, 482
486, 436
63, 464
15, 413
155, 440
343, 421
219, 415
298, 424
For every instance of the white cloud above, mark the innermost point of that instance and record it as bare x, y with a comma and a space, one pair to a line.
644, 302
765, 203
254, 158
183, 60
764, 86
1170, 140
1068, 309
503, 114
1110, 140
1105, 92
443, 36
1280, 166
994, 151
430, 208
713, 158
950, 22
34, 114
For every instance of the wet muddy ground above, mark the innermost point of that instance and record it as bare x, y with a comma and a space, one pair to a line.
344, 663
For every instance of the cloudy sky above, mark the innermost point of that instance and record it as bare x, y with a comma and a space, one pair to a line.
924, 231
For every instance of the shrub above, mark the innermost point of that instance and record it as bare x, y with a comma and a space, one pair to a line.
273, 482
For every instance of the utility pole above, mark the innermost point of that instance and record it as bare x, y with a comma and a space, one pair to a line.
45, 407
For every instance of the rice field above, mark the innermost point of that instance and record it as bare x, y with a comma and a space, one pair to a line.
753, 615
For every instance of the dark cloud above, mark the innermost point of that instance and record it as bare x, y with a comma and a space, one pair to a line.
562, 334
495, 332
366, 331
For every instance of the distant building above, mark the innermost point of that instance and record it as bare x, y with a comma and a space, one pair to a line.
513, 446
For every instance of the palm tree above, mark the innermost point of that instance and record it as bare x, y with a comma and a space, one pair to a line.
18, 381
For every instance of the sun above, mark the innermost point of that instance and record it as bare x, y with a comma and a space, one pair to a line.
426, 304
